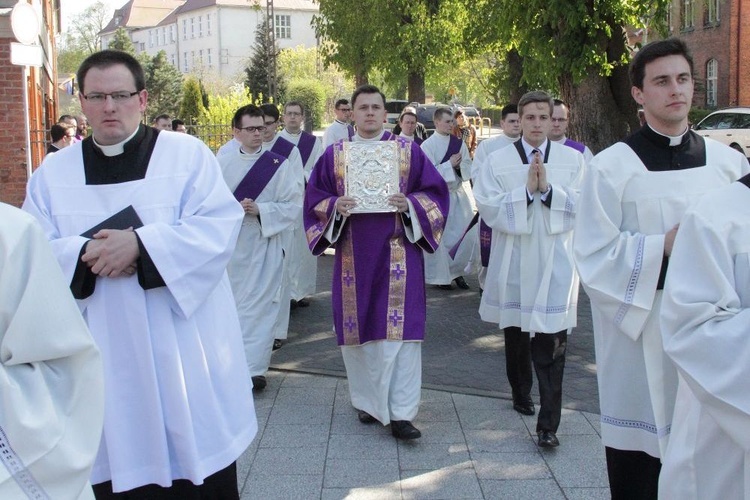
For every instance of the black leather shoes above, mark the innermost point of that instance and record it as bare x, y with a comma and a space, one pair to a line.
547, 439
525, 407
277, 344
403, 429
259, 382
365, 417
461, 283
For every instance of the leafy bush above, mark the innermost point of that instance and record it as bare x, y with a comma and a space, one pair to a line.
312, 95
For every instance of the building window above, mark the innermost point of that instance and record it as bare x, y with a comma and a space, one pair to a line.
150, 38
164, 36
283, 26
200, 26
185, 61
711, 12
142, 46
192, 27
171, 33
200, 56
687, 8
184, 29
208, 24
712, 78
208, 55
172, 60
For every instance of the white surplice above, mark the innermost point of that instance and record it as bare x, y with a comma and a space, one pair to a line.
335, 132
705, 321
51, 380
531, 281
256, 267
303, 265
178, 397
230, 146
624, 212
487, 147
439, 268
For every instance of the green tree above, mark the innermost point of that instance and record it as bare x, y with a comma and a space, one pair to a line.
81, 38
258, 70
164, 85
580, 46
191, 105
311, 94
121, 41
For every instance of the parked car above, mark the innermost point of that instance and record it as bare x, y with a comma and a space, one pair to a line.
426, 114
394, 107
730, 126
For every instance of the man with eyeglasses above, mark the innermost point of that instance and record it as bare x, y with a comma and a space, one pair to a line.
143, 227
560, 117
267, 187
340, 128
303, 265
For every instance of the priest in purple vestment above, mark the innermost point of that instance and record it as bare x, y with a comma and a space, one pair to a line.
379, 305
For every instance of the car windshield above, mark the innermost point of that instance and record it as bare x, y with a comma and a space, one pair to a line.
395, 106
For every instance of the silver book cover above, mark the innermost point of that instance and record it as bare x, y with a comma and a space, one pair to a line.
372, 170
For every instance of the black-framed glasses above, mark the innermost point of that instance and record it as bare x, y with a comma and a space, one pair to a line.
100, 97
260, 128
271, 124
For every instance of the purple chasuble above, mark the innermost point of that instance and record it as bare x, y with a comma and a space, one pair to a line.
378, 277
575, 145
282, 147
258, 177
305, 145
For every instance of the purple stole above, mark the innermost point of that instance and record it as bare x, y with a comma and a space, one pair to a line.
305, 146
418, 140
260, 174
575, 145
454, 146
282, 147
350, 131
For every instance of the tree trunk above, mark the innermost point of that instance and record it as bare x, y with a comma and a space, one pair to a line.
361, 78
416, 86
602, 111
515, 71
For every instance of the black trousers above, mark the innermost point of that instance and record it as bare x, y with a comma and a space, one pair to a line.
633, 475
221, 485
547, 353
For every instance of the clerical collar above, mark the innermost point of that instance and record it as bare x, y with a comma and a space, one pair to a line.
378, 137
674, 140
342, 123
528, 148
243, 152
115, 149
410, 137
440, 134
293, 133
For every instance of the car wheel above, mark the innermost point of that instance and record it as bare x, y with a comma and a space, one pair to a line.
737, 147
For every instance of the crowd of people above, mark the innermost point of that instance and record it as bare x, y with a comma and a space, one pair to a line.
171, 272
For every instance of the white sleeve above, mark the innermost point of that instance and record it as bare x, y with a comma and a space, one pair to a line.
619, 269
285, 209
705, 328
503, 208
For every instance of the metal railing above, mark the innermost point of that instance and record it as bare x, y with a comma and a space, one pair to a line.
480, 123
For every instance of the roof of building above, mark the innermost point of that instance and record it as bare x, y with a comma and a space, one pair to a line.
307, 5
141, 13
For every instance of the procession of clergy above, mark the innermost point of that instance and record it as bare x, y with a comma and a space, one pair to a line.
177, 261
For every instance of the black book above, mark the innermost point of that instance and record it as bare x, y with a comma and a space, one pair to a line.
125, 218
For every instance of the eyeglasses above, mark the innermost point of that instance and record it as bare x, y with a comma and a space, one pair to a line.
293, 113
99, 97
270, 124
253, 129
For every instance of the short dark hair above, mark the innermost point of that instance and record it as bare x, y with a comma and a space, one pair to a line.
295, 103
250, 110
66, 119
367, 89
108, 58
535, 96
407, 113
440, 112
163, 116
177, 122
508, 109
656, 50
59, 131
270, 110
341, 102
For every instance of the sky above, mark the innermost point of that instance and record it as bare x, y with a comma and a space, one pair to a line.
70, 8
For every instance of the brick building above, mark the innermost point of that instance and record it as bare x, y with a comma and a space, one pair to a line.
718, 34
42, 95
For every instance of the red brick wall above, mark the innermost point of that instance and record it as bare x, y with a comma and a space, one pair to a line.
706, 43
743, 44
12, 146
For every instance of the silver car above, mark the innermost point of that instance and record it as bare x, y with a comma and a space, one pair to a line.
730, 126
